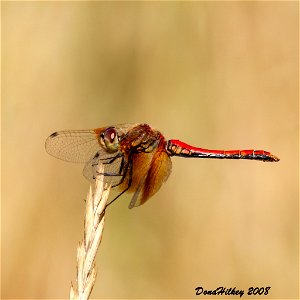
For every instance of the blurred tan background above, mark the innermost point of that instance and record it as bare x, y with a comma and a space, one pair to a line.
219, 75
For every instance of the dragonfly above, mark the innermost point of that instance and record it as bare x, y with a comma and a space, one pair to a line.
136, 157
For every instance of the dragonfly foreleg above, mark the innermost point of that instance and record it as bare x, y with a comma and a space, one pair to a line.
107, 160
112, 159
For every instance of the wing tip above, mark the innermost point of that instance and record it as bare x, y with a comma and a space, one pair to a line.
54, 134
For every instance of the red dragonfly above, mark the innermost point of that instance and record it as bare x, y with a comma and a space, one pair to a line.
136, 157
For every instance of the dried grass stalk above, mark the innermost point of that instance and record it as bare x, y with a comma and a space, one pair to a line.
93, 228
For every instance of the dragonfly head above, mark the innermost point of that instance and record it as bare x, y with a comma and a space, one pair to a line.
109, 140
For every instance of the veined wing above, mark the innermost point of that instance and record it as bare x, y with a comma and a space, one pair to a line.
77, 146
114, 167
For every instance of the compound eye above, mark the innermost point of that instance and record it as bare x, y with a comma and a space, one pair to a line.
110, 139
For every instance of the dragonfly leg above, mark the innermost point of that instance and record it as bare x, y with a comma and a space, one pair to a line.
128, 186
124, 174
112, 159
110, 174
123, 166
107, 160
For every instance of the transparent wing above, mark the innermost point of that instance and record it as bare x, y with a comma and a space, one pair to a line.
77, 146
114, 167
